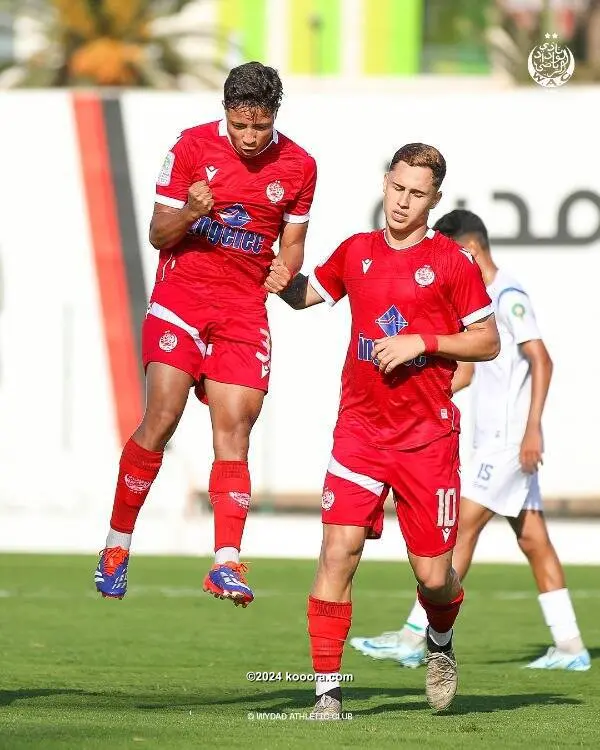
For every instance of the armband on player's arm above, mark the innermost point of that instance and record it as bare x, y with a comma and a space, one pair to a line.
295, 292
299, 293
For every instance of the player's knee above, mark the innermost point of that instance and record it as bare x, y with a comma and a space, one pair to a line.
434, 584
339, 558
159, 424
232, 435
433, 578
233, 440
532, 545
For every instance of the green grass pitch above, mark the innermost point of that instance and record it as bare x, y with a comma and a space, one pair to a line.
166, 667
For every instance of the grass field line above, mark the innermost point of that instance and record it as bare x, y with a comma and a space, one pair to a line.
183, 592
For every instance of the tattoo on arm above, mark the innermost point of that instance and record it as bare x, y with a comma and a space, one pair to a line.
295, 292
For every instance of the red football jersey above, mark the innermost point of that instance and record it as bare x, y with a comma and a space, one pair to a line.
432, 287
227, 254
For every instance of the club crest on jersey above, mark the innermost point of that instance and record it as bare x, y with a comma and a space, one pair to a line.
275, 191
424, 276
392, 321
230, 233
168, 341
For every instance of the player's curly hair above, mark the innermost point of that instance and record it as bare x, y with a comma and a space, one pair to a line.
461, 222
422, 155
253, 85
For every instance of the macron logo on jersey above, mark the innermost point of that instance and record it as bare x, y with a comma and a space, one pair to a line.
366, 264
231, 232
210, 172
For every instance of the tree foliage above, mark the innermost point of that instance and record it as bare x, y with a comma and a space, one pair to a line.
117, 43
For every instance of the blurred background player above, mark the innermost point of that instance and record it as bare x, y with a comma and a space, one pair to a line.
509, 397
226, 192
397, 426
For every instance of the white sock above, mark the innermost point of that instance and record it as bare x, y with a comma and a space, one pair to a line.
227, 554
417, 619
323, 683
559, 616
118, 539
440, 639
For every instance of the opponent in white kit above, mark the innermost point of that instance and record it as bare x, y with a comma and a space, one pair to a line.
509, 394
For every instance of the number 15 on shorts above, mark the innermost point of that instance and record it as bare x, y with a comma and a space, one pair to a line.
446, 507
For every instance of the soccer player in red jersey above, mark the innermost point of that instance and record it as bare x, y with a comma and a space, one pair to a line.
418, 305
226, 192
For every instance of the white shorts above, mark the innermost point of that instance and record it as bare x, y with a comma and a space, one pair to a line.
495, 480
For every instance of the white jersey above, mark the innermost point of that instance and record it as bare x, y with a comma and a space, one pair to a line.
502, 387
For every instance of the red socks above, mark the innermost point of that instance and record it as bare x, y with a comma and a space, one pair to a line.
441, 616
328, 626
137, 470
229, 490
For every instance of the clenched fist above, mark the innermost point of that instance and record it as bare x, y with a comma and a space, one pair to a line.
200, 200
278, 278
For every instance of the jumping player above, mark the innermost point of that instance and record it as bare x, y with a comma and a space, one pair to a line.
418, 304
226, 192
509, 398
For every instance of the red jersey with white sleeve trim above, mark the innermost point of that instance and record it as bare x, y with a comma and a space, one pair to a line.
432, 287
228, 253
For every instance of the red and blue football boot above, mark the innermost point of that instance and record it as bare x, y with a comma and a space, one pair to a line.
227, 581
111, 573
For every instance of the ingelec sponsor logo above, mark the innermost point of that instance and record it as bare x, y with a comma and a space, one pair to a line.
231, 232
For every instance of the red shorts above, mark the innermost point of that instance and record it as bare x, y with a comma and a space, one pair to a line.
209, 340
425, 482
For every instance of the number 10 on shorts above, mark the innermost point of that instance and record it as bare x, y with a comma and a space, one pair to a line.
446, 507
